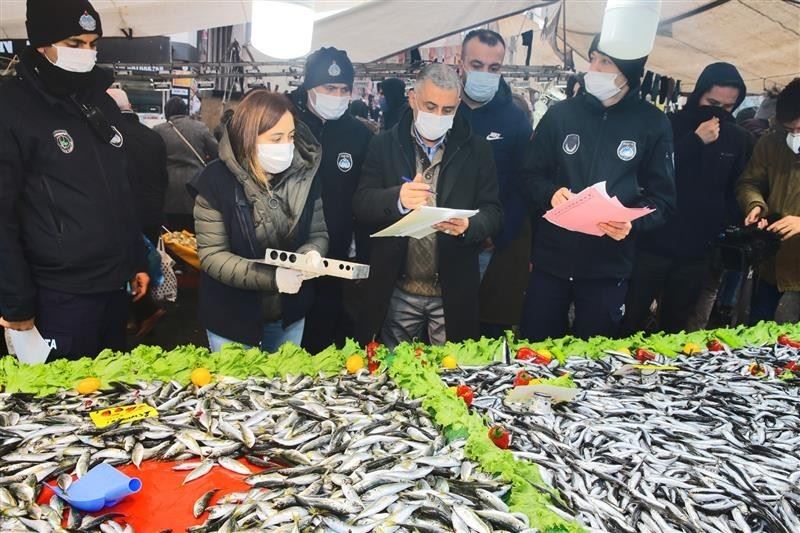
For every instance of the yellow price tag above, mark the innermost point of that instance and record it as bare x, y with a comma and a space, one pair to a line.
122, 414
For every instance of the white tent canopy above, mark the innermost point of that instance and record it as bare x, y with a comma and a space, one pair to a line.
367, 29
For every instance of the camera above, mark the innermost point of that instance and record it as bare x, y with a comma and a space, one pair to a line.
738, 248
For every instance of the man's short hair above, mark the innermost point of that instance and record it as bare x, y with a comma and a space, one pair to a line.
443, 76
488, 37
175, 106
787, 108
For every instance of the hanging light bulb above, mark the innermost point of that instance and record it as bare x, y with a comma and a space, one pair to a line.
283, 29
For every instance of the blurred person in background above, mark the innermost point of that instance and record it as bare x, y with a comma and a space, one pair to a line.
770, 186
190, 147
394, 103
263, 192
71, 250
147, 172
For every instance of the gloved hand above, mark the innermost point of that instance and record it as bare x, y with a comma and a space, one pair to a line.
288, 281
313, 259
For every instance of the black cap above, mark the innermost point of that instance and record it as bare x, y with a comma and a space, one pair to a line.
328, 65
632, 69
50, 21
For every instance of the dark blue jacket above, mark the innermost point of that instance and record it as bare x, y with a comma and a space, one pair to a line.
507, 129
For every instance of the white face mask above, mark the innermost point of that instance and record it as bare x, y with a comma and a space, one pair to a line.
601, 85
433, 127
330, 107
75, 59
793, 142
275, 158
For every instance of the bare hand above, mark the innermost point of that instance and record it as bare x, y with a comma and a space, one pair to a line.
708, 131
415, 194
562, 195
23, 325
616, 230
455, 226
139, 285
787, 227
754, 217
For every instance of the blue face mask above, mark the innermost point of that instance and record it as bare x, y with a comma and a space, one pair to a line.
482, 86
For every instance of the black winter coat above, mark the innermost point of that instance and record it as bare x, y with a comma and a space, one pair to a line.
344, 145
579, 143
147, 170
67, 219
705, 174
467, 180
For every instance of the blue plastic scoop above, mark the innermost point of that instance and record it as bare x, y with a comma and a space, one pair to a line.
102, 486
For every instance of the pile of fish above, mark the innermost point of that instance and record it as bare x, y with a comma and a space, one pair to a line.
345, 454
708, 447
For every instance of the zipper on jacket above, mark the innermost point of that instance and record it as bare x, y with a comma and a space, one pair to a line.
56, 220
597, 146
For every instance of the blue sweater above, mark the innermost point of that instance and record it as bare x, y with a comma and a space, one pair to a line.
506, 128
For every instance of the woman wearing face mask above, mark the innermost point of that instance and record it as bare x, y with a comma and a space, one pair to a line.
770, 186
261, 193
606, 135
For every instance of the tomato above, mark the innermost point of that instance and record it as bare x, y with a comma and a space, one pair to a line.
715, 346
500, 437
465, 393
522, 378
784, 340
643, 355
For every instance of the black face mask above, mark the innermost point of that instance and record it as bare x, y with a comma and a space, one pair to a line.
56, 80
705, 113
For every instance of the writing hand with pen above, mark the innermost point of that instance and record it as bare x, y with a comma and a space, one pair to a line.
416, 193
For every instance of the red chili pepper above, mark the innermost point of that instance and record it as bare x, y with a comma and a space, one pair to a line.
643, 355
715, 346
373, 366
784, 340
372, 348
792, 366
465, 393
525, 353
500, 437
541, 359
522, 378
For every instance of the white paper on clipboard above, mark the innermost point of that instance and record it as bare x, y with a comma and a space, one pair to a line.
29, 346
419, 223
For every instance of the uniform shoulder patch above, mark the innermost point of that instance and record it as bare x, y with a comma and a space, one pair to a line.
344, 161
64, 141
626, 150
571, 143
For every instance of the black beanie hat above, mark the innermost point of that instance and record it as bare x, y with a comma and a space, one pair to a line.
632, 69
328, 65
50, 21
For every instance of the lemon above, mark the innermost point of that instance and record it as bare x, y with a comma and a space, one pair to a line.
354, 363
88, 385
691, 348
449, 362
623, 350
201, 377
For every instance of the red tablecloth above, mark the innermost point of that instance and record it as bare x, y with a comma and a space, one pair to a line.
163, 503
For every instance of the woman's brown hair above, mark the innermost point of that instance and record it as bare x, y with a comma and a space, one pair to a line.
258, 112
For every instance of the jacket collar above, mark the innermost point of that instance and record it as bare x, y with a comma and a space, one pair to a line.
456, 138
596, 105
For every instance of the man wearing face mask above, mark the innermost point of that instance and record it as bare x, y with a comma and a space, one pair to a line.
71, 251
488, 106
770, 186
322, 104
430, 157
711, 151
607, 134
